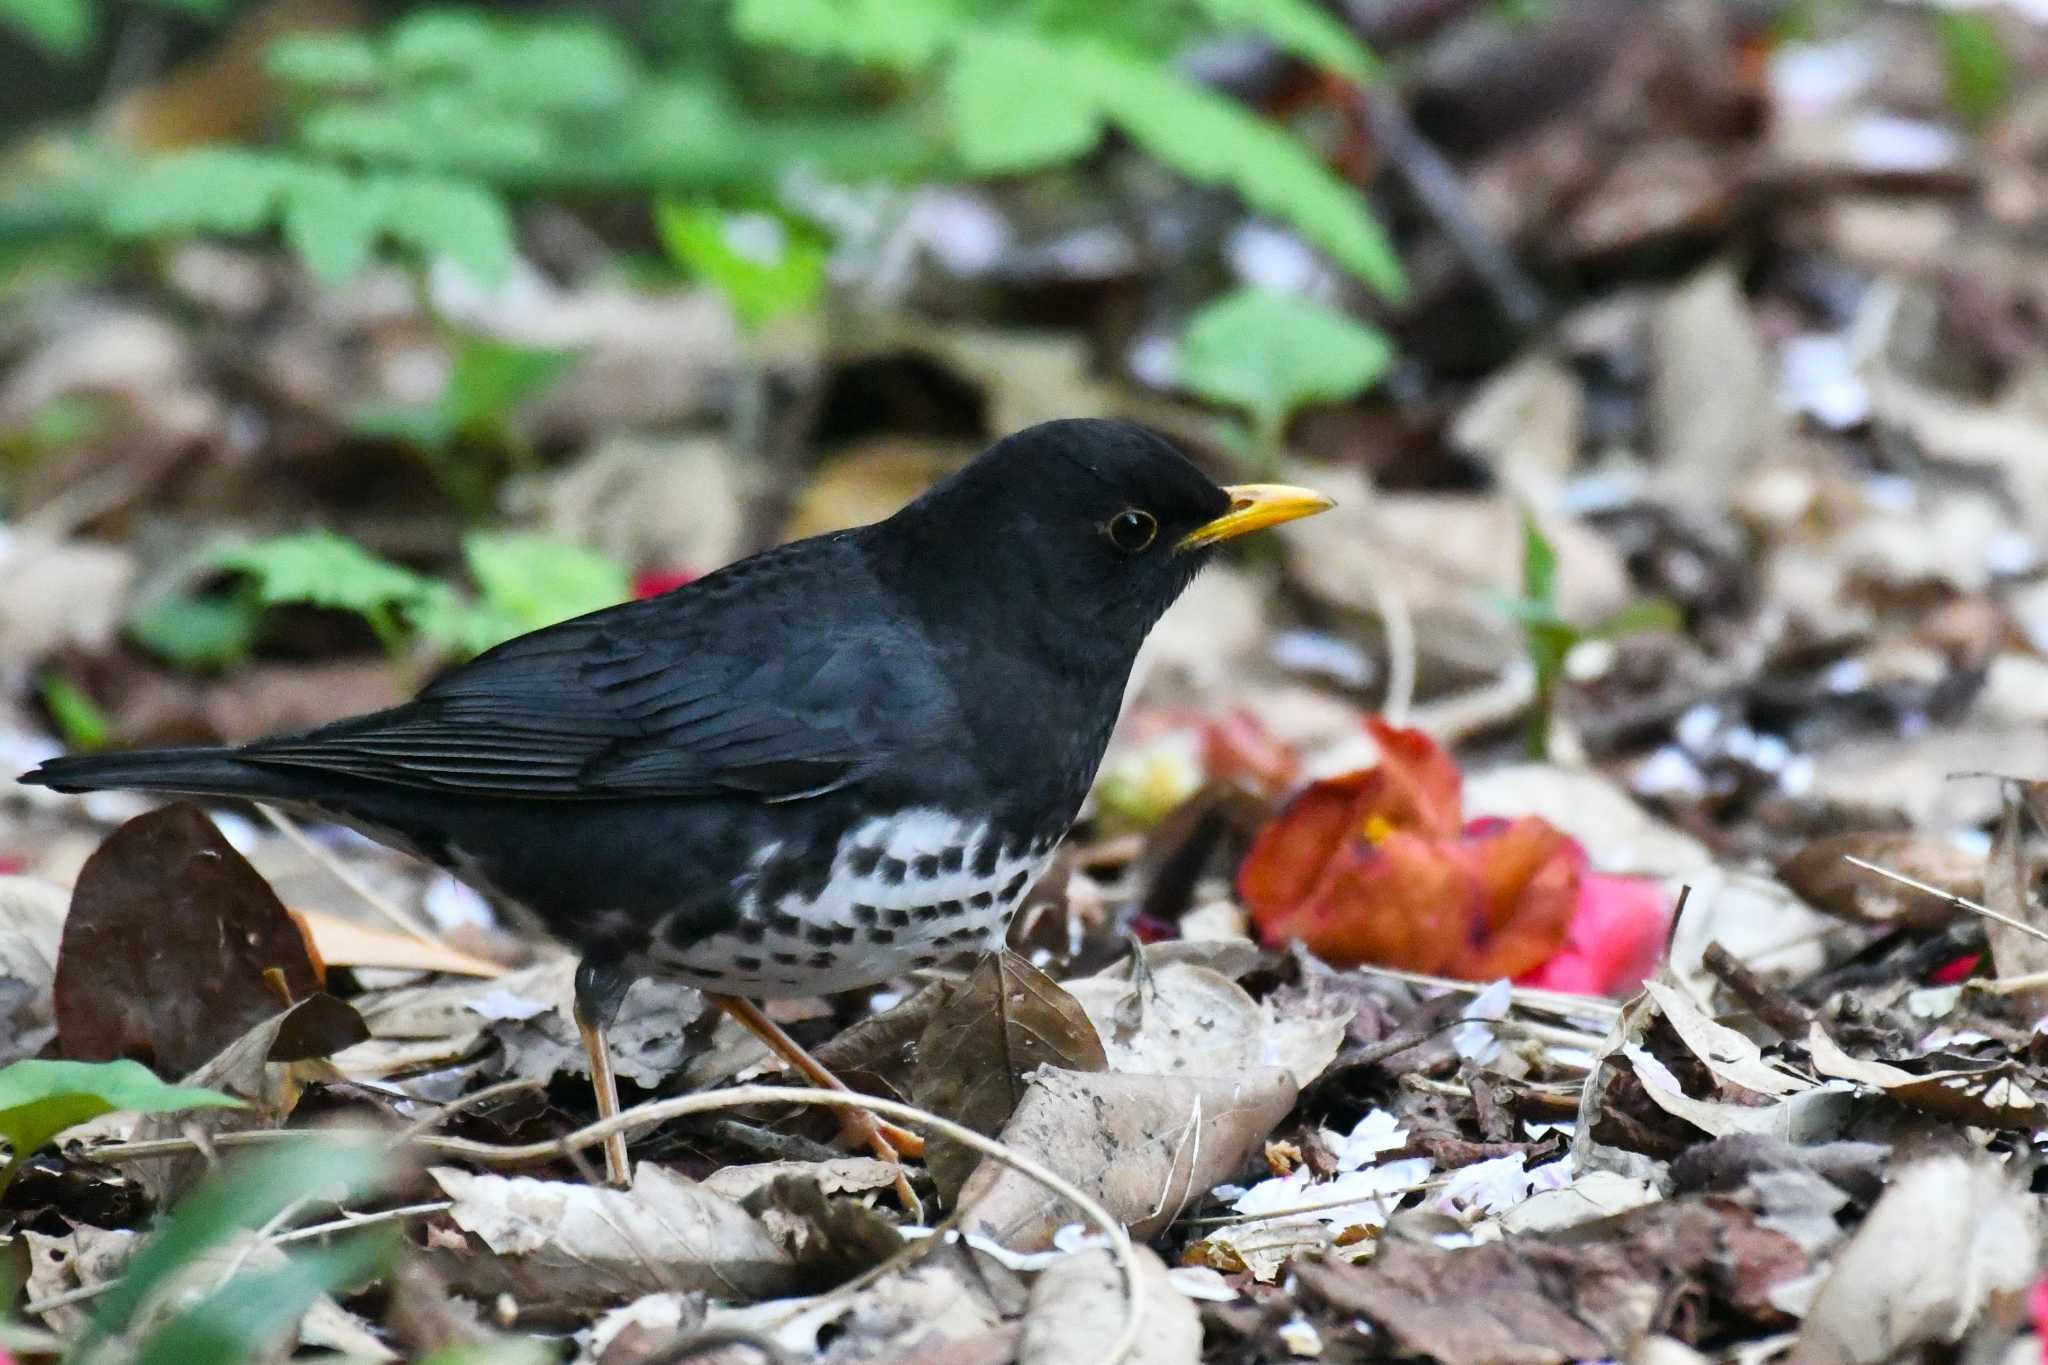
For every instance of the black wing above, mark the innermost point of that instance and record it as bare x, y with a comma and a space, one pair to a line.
656, 698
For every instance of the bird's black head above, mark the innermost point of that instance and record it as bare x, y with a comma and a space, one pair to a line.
1084, 529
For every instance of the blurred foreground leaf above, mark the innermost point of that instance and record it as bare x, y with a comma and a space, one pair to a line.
40, 1099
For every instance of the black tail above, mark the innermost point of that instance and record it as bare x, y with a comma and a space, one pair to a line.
185, 772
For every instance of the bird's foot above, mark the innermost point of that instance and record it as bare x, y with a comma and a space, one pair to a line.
858, 1128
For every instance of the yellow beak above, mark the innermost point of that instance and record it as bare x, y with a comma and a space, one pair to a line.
1253, 507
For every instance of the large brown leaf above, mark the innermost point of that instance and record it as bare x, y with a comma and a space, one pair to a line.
987, 1034
174, 947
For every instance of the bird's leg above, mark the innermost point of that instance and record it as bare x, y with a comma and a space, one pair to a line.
599, 989
885, 1139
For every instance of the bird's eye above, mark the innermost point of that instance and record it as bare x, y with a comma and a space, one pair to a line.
1132, 531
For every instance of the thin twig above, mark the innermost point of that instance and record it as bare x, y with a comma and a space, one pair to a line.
1390, 1198
1442, 193
1959, 902
382, 904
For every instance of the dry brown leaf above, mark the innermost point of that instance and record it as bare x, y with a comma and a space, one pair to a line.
2007, 890
31, 924
1813, 1116
1730, 1056
170, 948
987, 1033
565, 1242
1547, 1300
1825, 879
345, 943
1078, 1303
1143, 1146
1191, 1021
845, 1175
1947, 1237
529, 1013
1990, 1096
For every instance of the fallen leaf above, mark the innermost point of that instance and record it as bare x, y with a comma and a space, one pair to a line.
1972, 1234
1989, 1096
844, 1175
1192, 1021
345, 943
564, 1242
31, 924
1545, 1300
174, 947
830, 1240
531, 1015
1078, 1303
1809, 1117
1143, 1146
1732, 1058
1824, 878
987, 1033
267, 1068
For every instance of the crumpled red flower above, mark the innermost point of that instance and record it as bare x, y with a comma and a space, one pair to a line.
1380, 866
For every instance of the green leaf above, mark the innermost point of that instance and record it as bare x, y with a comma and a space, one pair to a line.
211, 189
463, 221
78, 717
1212, 139
207, 11
562, 66
61, 28
1978, 65
439, 40
1269, 353
200, 633
764, 264
489, 379
324, 61
246, 1318
1539, 566
244, 1194
534, 581
898, 33
333, 220
322, 569
39, 1100
996, 74
1640, 618
1302, 28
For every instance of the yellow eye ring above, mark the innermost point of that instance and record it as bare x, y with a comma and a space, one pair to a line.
1132, 531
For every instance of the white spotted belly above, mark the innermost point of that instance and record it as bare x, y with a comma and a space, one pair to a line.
905, 891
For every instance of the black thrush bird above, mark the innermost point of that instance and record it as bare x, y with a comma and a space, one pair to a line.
811, 771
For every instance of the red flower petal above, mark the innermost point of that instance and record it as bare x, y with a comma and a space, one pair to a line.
655, 582
1421, 788
1614, 940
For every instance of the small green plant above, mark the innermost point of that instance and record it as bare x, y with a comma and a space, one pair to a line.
523, 582
466, 435
1268, 354
1548, 637
84, 725
40, 1099
765, 263
1977, 64
417, 136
